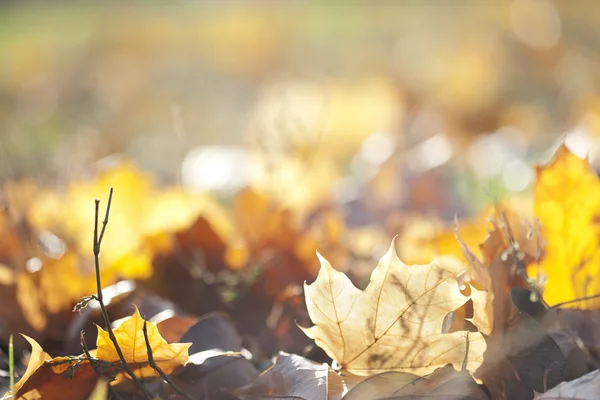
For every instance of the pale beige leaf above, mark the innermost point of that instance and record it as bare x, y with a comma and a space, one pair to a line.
395, 323
483, 310
330, 300
477, 270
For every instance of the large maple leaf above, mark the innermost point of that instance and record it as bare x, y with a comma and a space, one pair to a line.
395, 323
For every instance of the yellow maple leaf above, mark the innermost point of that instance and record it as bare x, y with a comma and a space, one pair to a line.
567, 203
131, 340
395, 323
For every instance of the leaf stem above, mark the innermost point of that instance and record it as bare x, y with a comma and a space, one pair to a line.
86, 351
157, 368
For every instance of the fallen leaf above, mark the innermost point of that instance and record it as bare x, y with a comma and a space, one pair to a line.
213, 331
173, 328
395, 323
215, 376
478, 271
576, 331
50, 378
36, 359
380, 385
130, 337
291, 376
523, 359
535, 355
511, 244
61, 378
483, 310
446, 383
585, 388
567, 202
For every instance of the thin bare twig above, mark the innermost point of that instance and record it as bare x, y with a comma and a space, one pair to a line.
97, 245
521, 268
86, 351
158, 369
594, 296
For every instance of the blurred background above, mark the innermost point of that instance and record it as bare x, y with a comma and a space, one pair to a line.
241, 136
422, 105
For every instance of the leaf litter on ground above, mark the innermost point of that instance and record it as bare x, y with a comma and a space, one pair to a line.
457, 323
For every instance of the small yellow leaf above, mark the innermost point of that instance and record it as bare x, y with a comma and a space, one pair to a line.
395, 323
567, 202
130, 337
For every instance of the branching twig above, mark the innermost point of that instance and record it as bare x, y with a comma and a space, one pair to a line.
521, 268
157, 368
97, 245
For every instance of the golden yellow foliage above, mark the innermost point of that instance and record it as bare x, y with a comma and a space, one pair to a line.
395, 323
425, 238
141, 219
131, 340
567, 202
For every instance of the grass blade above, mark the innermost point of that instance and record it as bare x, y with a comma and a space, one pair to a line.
11, 365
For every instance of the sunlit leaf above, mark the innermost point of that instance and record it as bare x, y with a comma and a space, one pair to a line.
130, 337
395, 323
567, 202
